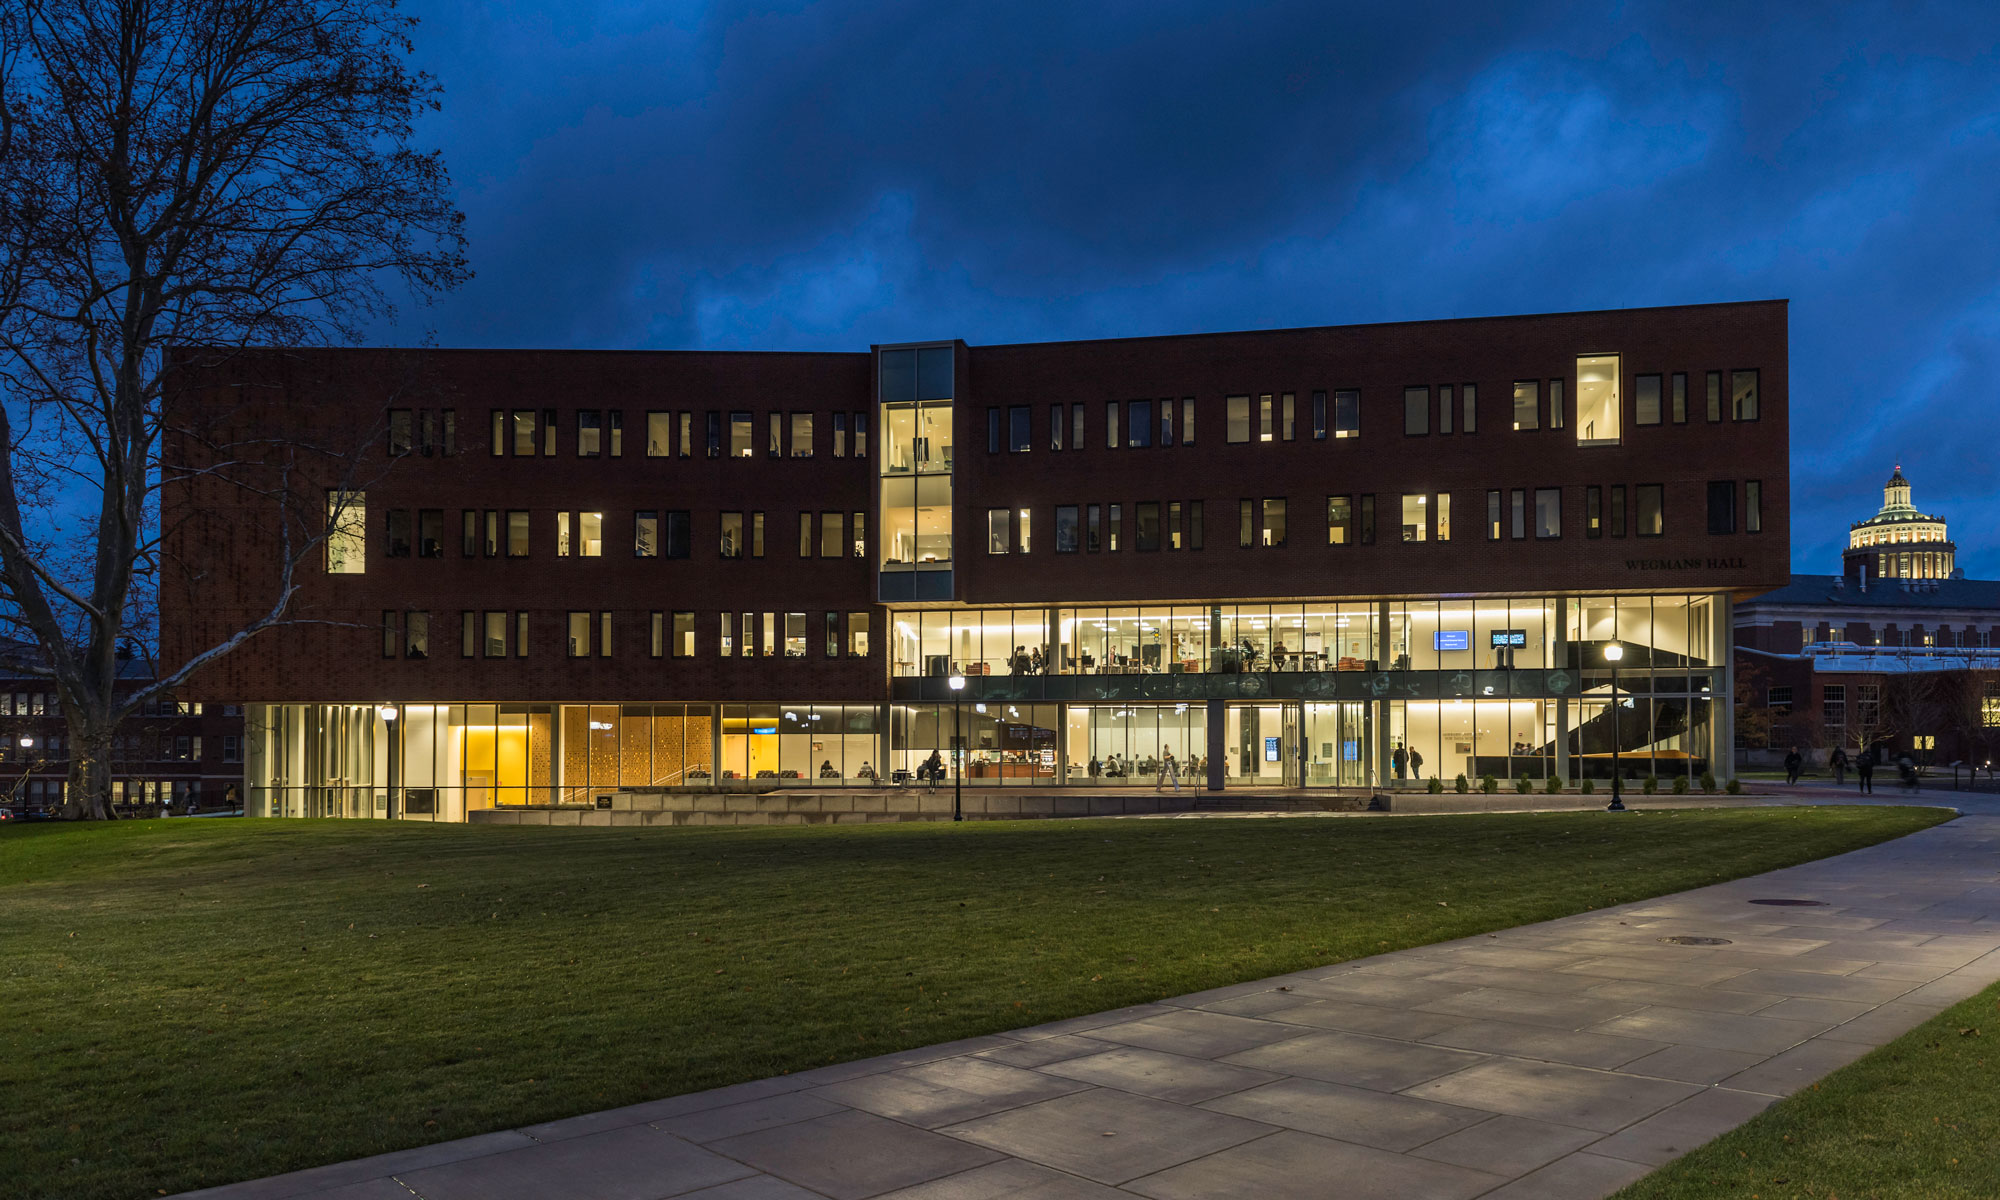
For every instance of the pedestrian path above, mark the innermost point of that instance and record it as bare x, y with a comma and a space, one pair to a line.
1558, 1060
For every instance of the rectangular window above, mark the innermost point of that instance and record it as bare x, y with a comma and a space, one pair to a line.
1680, 398
1167, 421
1246, 524
1558, 411
1111, 426
1146, 525
857, 635
1714, 396
682, 645
1023, 514
1649, 510
1743, 395
999, 530
770, 635
659, 434
469, 541
1266, 423
397, 527
492, 533
1444, 408
1548, 513
614, 432
832, 535
656, 640
1187, 420
346, 532
832, 645
590, 534
1287, 417
1076, 427
1368, 519
520, 635
1600, 405
604, 634
1722, 506
1319, 416
1519, 502
1527, 403
645, 534
726, 642
1416, 411
517, 533
1469, 397
1347, 414
1441, 515
1779, 700
1416, 517
1339, 520
795, 635
840, 435
1066, 531
499, 432
450, 432
1018, 429
1493, 516
805, 535
1274, 522
548, 433
1868, 704
524, 433
732, 535
1092, 529
678, 537
494, 643
417, 635
1174, 535
992, 431
402, 431
756, 535
861, 435
857, 532
1114, 527
1238, 412
391, 638
468, 634
1753, 506
742, 435
1194, 525
1056, 423
589, 433
1617, 510
802, 435
1833, 706
1139, 424
1593, 511
1645, 399
430, 533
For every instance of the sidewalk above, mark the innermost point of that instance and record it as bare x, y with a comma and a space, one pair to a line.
1551, 1061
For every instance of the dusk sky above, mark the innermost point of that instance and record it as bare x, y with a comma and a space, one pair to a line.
820, 176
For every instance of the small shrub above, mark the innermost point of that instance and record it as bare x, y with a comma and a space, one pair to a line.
1735, 787
1680, 785
1708, 781
1585, 787
1489, 784
1435, 786
1524, 785
1462, 787
1555, 785
1652, 784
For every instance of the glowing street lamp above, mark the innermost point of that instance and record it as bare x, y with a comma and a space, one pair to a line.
1612, 653
957, 684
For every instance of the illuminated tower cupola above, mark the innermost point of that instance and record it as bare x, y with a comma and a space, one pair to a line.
1898, 542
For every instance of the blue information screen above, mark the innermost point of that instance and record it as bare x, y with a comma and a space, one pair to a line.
1271, 749
1509, 637
1451, 639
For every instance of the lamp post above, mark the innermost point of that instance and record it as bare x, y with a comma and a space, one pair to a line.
389, 713
1612, 653
957, 683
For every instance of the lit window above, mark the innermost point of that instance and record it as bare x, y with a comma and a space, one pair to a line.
1274, 522
1598, 407
346, 532
1339, 520
1416, 517
1238, 418
1743, 395
590, 534
1528, 404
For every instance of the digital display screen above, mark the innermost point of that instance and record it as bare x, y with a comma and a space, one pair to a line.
1509, 637
1270, 749
1451, 639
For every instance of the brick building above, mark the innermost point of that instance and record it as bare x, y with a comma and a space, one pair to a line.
1288, 558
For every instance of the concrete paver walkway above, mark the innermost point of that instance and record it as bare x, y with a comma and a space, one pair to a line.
1557, 1060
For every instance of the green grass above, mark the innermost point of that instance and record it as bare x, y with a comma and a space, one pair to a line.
190, 1002
1918, 1119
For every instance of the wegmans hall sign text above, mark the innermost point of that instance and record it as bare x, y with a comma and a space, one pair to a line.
1684, 564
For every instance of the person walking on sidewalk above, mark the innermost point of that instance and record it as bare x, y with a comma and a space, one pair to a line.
1864, 772
1793, 765
1838, 761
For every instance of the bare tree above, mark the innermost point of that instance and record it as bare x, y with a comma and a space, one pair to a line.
181, 180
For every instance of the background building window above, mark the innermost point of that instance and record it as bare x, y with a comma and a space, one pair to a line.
430, 533
1055, 427
1246, 524
1111, 432
1519, 501
993, 431
1368, 519
587, 434
398, 529
1441, 516
1715, 395
1680, 398
832, 535
1093, 540
416, 635
1444, 408
678, 538
1187, 420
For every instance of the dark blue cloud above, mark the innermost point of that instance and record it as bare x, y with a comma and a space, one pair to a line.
819, 176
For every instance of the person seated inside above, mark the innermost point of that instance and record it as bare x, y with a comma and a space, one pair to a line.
867, 772
826, 770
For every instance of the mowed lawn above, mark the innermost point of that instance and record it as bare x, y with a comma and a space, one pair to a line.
189, 1002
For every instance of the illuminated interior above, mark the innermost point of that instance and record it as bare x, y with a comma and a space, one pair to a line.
1597, 407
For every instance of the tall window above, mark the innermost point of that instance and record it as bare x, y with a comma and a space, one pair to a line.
495, 641
1114, 527
1187, 420
712, 434
1139, 424
756, 535
774, 447
1367, 502
1833, 707
1593, 511
1416, 517
1319, 416
1238, 412
1527, 403
682, 645
677, 539
1722, 506
1645, 399
1112, 431
1441, 516
398, 530
1444, 408
1093, 540
732, 535
725, 642
1599, 408
1246, 524
614, 432
548, 433
468, 634
492, 533
802, 435
1175, 538
832, 535
1989, 704
741, 435
1076, 426
659, 434
589, 434
604, 634
805, 535
1469, 397
469, 543
857, 635
1493, 516
657, 635
1416, 411
1146, 525
1714, 396
402, 431
840, 435
795, 635
1557, 409
1339, 520
1266, 422
517, 533
1679, 403
1195, 526
1023, 530
1649, 510
646, 535
390, 649
1753, 506
1167, 421
993, 430
1274, 522
590, 534
1287, 417
346, 532
1347, 414
1617, 510
999, 530
1056, 427
1548, 513
417, 643
524, 433
579, 635
1519, 503
1066, 529
1743, 395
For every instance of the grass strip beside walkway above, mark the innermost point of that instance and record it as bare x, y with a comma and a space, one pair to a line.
1919, 1117
191, 1002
